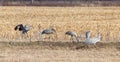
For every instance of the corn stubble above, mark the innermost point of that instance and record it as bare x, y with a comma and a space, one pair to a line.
79, 19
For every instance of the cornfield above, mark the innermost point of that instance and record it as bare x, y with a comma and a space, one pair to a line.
80, 19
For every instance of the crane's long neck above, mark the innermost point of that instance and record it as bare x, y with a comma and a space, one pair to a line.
99, 36
77, 40
87, 35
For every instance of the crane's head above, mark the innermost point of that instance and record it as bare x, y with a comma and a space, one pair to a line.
39, 26
53, 30
67, 32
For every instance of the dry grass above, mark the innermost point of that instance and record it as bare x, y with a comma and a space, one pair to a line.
79, 19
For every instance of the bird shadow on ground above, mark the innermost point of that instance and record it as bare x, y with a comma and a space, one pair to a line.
61, 45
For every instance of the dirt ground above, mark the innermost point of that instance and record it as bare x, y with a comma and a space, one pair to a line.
62, 52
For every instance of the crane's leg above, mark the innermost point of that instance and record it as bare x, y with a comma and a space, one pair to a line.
26, 37
87, 46
29, 37
56, 37
22, 36
71, 39
40, 37
65, 37
43, 37
95, 46
52, 37
49, 37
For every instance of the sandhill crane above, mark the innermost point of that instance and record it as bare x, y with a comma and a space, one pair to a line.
23, 29
92, 41
48, 32
72, 34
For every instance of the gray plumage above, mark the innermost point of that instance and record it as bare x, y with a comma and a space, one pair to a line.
93, 40
72, 34
48, 31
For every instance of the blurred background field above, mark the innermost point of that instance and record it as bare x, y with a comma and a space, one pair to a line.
105, 20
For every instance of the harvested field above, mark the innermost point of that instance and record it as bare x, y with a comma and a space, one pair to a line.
79, 19
13, 48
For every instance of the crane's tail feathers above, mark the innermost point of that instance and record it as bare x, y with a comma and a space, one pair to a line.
15, 28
